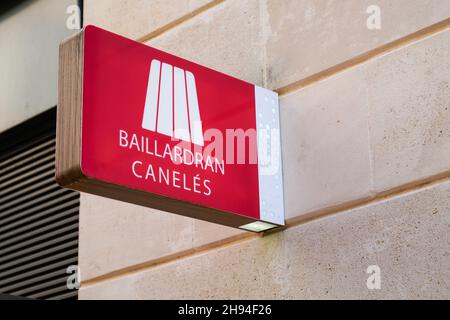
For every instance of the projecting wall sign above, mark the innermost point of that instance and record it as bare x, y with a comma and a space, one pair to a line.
143, 126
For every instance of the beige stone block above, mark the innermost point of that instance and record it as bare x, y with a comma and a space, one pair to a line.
406, 236
227, 38
306, 37
137, 18
374, 127
115, 235
207, 233
409, 112
325, 144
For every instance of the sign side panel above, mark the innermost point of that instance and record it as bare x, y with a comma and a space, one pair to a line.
270, 175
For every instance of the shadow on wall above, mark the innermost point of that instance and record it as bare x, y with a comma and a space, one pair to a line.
9, 8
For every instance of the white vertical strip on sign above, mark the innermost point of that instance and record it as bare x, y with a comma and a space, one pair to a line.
194, 113
165, 111
270, 173
151, 100
181, 130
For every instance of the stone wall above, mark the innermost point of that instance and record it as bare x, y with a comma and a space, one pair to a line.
365, 117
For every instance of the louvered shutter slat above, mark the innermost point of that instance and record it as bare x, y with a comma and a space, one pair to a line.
38, 224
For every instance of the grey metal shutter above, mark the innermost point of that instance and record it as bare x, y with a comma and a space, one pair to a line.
38, 224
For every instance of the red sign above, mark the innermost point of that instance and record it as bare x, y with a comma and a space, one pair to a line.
169, 127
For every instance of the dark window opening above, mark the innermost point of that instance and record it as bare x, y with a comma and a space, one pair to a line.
38, 219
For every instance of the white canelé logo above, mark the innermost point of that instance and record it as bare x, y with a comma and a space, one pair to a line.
171, 104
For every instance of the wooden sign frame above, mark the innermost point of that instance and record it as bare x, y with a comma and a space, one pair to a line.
69, 173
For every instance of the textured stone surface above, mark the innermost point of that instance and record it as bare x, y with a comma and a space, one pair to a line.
211, 39
397, 105
308, 36
137, 18
325, 144
116, 235
407, 237
409, 112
